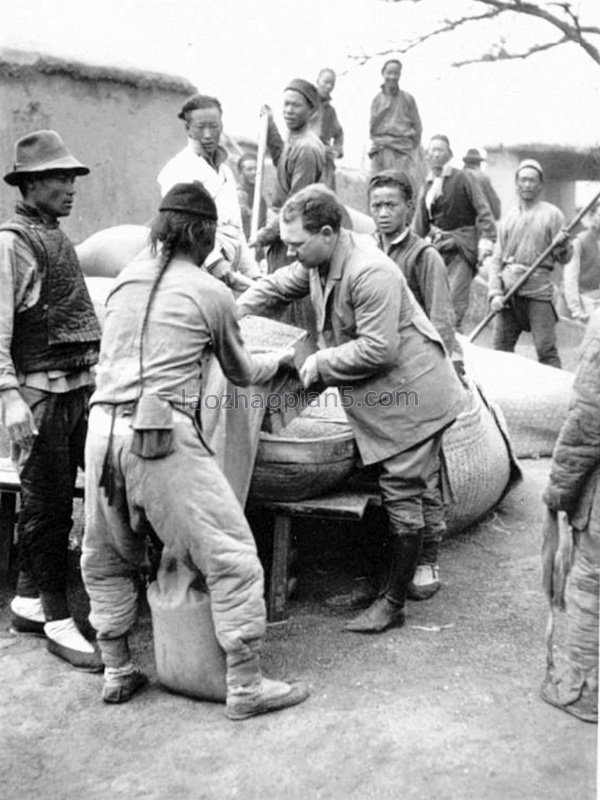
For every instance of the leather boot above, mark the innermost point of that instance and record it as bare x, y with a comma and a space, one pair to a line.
249, 693
387, 611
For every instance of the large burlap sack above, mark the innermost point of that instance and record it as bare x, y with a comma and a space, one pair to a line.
533, 397
105, 253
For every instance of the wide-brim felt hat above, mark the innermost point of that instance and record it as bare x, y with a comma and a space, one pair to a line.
473, 156
42, 151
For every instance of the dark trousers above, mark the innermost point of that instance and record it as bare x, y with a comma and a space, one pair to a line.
411, 494
526, 314
48, 471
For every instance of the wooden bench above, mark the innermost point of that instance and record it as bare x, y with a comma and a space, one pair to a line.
343, 505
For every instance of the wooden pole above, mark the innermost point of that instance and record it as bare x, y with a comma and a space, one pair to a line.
260, 163
539, 260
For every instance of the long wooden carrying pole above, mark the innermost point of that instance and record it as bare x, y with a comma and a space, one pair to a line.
260, 163
538, 262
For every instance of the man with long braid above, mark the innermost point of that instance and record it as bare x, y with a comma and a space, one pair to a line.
147, 464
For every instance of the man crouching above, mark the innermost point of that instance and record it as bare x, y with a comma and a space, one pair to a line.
148, 465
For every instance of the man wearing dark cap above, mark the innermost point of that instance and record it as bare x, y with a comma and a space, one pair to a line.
300, 162
203, 160
525, 232
49, 339
472, 167
147, 464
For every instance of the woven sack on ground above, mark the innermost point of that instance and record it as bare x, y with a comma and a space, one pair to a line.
480, 464
533, 397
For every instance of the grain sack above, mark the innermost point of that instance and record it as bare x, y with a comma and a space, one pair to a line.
480, 464
105, 253
533, 397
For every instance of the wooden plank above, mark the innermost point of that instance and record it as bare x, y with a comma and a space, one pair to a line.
278, 585
337, 505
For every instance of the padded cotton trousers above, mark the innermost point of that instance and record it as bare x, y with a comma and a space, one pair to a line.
189, 504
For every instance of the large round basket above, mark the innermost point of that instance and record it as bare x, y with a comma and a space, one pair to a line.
313, 455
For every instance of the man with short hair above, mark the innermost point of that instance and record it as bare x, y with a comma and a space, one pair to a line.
526, 231
247, 166
327, 126
395, 126
581, 275
49, 340
452, 211
376, 345
390, 203
203, 160
472, 166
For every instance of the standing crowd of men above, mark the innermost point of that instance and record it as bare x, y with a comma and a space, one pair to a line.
382, 310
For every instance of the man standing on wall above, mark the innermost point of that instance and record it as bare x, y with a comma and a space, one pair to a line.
451, 210
395, 127
49, 341
526, 231
327, 126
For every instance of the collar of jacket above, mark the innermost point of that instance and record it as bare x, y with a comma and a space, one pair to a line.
220, 153
445, 173
34, 215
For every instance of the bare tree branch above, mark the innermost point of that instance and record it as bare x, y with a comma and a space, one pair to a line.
502, 55
569, 25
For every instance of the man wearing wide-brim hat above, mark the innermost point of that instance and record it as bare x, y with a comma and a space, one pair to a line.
472, 166
49, 341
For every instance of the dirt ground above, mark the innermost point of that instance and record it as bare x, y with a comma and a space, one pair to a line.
445, 707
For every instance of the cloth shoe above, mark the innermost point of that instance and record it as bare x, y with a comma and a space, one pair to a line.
381, 615
27, 616
66, 642
425, 583
267, 696
249, 693
580, 702
121, 683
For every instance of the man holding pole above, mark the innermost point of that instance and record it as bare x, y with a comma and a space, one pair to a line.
526, 231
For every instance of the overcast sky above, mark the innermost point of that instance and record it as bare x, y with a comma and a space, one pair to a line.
245, 51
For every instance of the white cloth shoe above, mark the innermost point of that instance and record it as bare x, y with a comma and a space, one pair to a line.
425, 582
28, 608
27, 616
66, 642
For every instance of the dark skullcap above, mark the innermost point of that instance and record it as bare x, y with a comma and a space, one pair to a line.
306, 89
190, 198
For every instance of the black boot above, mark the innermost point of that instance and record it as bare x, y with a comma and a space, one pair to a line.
387, 611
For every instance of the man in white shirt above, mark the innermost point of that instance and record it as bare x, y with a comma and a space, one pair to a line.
203, 160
